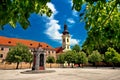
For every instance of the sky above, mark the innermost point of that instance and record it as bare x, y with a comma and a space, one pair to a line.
49, 29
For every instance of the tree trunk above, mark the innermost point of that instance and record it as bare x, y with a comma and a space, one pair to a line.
17, 65
30, 65
82, 65
113, 65
95, 65
79, 64
50, 65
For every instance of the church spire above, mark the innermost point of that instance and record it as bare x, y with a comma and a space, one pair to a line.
65, 30
65, 39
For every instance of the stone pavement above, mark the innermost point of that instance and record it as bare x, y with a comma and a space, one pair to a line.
64, 74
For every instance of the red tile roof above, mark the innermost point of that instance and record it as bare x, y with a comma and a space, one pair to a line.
32, 44
59, 50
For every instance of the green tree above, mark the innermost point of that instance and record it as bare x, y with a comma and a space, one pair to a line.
13, 11
19, 53
70, 56
76, 48
112, 56
95, 57
60, 58
81, 58
50, 59
97, 13
102, 23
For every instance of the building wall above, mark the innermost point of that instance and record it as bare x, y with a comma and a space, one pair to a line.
3, 52
5, 49
51, 53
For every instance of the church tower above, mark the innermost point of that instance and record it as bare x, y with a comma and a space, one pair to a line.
65, 39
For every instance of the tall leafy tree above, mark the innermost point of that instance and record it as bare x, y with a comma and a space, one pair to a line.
70, 56
13, 11
81, 58
95, 57
97, 13
112, 56
50, 59
19, 53
76, 48
102, 23
60, 58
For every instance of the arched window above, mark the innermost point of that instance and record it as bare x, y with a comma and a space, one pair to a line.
67, 40
63, 40
2, 48
1, 55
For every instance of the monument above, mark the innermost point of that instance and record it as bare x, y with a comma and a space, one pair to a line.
38, 58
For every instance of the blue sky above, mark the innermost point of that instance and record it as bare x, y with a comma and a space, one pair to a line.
49, 29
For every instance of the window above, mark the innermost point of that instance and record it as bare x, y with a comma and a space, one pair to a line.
2, 48
9, 42
67, 47
63, 40
67, 40
49, 52
52, 51
30, 44
1, 55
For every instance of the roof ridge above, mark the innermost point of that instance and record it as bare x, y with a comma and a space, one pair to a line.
29, 43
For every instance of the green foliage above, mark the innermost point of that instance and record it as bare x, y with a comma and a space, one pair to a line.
50, 59
13, 11
19, 53
97, 12
76, 48
60, 58
102, 23
70, 56
112, 56
81, 58
95, 57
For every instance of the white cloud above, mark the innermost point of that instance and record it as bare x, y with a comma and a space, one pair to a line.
70, 20
53, 30
75, 13
70, 1
53, 27
52, 7
74, 41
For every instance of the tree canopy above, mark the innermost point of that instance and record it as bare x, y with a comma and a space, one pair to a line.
70, 56
19, 53
76, 48
95, 57
60, 58
81, 58
112, 56
50, 59
97, 13
13, 11
102, 23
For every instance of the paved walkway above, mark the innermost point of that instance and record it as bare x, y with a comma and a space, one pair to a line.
64, 74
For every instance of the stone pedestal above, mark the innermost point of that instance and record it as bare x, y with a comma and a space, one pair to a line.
39, 59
